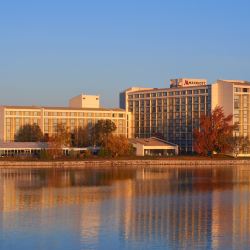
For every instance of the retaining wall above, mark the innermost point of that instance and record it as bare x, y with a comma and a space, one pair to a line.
121, 163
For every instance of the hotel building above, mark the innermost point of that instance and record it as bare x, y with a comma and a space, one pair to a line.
234, 97
83, 111
171, 113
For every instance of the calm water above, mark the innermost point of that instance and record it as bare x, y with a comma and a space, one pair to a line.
125, 209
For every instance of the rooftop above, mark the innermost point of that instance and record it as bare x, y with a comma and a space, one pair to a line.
241, 82
167, 89
63, 108
152, 141
23, 145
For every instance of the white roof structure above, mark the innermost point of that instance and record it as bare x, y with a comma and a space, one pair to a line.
152, 145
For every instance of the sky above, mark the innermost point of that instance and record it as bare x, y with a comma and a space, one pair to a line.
51, 50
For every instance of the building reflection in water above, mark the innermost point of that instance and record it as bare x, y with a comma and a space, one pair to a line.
180, 208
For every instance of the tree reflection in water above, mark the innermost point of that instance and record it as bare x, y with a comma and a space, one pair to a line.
126, 208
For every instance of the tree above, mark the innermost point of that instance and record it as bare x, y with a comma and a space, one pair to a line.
239, 144
80, 137
214, 133
61, 139
101, 131
29, 133
118, 145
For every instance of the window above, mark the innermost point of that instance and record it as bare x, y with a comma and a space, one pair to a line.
8, 121
177, 101
245, 101
196, 99
202, 99
236, 101
159, 102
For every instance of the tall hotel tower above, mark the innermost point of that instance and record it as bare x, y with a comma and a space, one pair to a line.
171, 113
234, 97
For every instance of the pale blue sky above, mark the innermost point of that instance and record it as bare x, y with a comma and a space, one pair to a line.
51, 50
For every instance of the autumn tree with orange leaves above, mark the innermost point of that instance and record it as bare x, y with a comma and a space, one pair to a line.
118, 145
214, 133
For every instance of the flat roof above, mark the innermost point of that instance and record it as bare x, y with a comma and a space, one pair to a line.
63, 108
169, 89
152, 141
238, 82
23, 145
28, 145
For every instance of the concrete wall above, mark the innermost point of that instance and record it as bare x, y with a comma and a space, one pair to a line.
139, 149
85, 101
223, 95
128, 126
168, 162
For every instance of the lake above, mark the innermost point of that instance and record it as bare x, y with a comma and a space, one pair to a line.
125, 208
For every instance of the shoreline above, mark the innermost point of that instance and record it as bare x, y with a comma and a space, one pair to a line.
123, 163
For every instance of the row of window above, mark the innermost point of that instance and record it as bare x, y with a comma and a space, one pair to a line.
72, 114
244, 90
168, 93
18, 121
85, 114
170, 101
53, 129
23, 113
241, 102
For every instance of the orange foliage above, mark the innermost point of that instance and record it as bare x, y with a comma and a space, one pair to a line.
214, 133
118, 145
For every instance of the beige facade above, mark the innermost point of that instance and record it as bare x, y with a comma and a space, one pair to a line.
169, 113
234, 97
48, 118
85, 101
173, 113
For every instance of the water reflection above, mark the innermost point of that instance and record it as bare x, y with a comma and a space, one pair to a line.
126, 208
